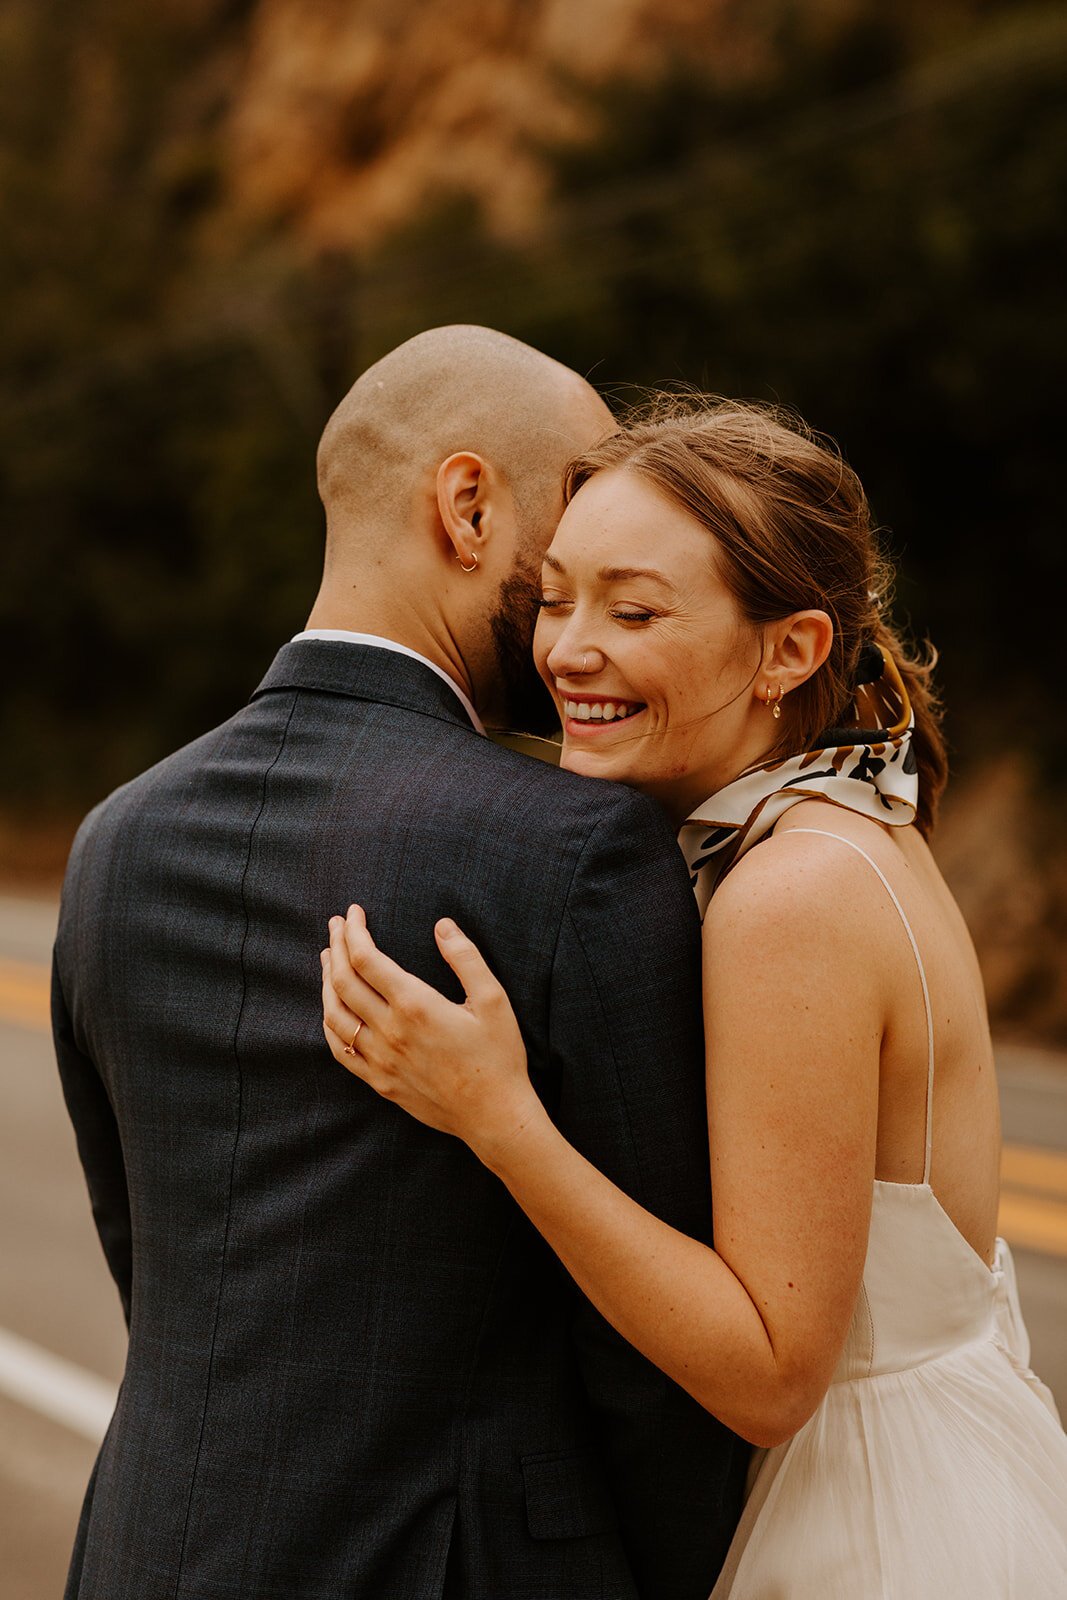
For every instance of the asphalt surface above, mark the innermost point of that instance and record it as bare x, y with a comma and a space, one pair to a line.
57, 1300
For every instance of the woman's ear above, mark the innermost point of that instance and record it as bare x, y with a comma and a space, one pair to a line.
461, 497
799, 646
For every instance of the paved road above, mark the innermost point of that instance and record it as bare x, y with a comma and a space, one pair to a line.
57, 1300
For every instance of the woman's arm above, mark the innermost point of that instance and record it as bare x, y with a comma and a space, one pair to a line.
794, 1016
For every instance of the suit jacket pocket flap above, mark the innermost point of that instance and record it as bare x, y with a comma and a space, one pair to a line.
566, 1497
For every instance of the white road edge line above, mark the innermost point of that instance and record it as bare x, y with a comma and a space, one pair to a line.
56, 1388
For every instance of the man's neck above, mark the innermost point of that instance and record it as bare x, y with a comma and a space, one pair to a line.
378, 641
432, 641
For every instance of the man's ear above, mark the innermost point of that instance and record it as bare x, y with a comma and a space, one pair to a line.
801, 645
462, 491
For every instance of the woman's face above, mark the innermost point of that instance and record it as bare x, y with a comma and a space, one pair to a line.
643, 648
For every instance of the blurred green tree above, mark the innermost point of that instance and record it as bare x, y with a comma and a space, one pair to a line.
871, 231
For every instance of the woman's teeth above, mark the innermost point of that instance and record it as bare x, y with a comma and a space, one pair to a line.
599, 711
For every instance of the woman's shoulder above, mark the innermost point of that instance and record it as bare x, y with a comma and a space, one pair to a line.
795, 947
809, 880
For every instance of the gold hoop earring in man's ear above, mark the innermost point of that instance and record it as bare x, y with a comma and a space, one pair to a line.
473, 566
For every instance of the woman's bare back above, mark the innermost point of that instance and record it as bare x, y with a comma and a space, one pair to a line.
965, 1165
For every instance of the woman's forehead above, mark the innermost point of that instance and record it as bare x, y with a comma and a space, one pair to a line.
620, 519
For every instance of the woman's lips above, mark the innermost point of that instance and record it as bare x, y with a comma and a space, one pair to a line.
587, 716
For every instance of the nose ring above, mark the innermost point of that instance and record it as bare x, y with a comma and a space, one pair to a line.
585, 658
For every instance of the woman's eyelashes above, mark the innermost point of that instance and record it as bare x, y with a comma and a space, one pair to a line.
548, 603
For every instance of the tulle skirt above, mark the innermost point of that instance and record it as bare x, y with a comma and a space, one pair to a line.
947, 1481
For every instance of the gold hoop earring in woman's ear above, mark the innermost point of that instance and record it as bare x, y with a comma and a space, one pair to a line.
774, 706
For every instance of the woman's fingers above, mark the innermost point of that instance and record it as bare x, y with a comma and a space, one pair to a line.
343, 1033
390, 980
358, 995
339, 1019
467, 962
410, 1045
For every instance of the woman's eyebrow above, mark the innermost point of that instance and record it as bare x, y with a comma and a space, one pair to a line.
613, 574
624, 574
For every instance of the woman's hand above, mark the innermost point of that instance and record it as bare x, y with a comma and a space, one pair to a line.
458, 1068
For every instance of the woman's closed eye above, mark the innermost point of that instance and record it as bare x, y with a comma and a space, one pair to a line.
549, 603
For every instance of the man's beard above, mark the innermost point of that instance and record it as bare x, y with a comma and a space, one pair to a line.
527, 704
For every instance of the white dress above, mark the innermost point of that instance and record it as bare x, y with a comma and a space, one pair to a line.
935, 1467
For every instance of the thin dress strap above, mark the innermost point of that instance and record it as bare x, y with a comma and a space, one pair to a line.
922, 979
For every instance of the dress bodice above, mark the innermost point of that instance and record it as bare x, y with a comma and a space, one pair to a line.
925, 1291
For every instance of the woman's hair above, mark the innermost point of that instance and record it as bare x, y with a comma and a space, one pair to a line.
793, 532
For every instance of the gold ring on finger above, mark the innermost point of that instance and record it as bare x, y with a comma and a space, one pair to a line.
350, 1049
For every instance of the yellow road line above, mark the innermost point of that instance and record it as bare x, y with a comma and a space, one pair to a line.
1033, 1200
1033, 1223
24, 991
1027, 1167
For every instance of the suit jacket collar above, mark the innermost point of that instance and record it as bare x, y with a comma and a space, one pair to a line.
364, 672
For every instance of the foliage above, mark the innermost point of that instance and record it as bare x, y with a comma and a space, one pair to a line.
870, 232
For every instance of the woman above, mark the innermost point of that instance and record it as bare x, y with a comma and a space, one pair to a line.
712, 632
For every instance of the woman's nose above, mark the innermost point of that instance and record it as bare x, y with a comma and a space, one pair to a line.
569, 658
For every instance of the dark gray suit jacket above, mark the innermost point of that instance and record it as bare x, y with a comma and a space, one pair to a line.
355, 1370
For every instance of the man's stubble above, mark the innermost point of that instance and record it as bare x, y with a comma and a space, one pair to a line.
528, 706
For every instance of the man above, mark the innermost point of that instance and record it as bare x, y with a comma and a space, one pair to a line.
354, 1368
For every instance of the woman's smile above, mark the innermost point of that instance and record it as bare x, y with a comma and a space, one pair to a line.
589, 715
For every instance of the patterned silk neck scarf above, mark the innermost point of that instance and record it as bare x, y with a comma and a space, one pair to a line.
866, 769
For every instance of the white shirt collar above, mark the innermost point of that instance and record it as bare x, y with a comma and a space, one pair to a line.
345, 637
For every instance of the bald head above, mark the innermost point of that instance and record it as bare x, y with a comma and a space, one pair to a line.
442, 476
451, 389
